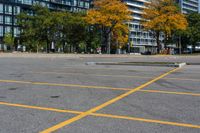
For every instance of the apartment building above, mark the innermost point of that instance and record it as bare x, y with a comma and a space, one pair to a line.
10, 8
189, 6
142, 41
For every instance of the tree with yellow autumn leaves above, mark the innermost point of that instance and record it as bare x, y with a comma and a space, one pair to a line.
110, 16
163, 17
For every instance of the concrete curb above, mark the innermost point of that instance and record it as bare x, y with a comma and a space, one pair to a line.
164, 64
177, 64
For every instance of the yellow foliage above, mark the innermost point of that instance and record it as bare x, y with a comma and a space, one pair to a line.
108, 13
111, 16
163, 15
120, 34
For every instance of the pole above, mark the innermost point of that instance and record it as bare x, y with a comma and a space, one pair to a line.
109, 41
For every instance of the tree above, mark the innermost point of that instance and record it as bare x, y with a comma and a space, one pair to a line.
9, 40
163, 16
93, 39
191, 36
107, 14
57, 27
74, 29
120, 35
35, 28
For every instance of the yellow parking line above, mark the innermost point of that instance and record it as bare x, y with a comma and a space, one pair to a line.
103, 115
39, 108
115, 76
184, 79
82, 115
98, 75
98, 87
171, 92
147, 120
64, 85
80, 86
16, 81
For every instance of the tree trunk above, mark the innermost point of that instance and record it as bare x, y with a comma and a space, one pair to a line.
63, 47
37, 48
108, 42
180, 46
47, 49
158, 42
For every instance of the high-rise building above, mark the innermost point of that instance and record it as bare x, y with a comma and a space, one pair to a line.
139, 39
10, 8
142, 41
189, 6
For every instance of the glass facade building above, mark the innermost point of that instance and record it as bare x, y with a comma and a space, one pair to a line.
10, 8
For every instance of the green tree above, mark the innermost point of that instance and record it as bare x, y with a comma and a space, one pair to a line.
31, 36
93, 38
39, 27
74, 30
52, 26
9, 40
192, 35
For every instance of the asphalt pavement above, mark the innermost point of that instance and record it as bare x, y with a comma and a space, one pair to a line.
66, 95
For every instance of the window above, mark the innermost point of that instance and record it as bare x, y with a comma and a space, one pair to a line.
16, 10
8, 9
7, 29
15, 21
1, 19
28, 2
1, 8
8, 20
16, 32
87, 5
1, 30
81, 4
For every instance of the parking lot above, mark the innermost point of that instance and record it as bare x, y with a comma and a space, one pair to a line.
65, 95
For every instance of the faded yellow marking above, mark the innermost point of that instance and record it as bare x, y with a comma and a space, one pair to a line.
63, 85
115, 76
39, 108
103, 115
98, 87
82, 115
147, 120
171, 92
98, 75
184, 79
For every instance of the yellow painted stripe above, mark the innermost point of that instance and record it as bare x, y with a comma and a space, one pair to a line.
98, 87
184, 79
80, 116
16, 81
98, 75
147, 120
63, 85
103, 115
115, 76
39, 108
171, 92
